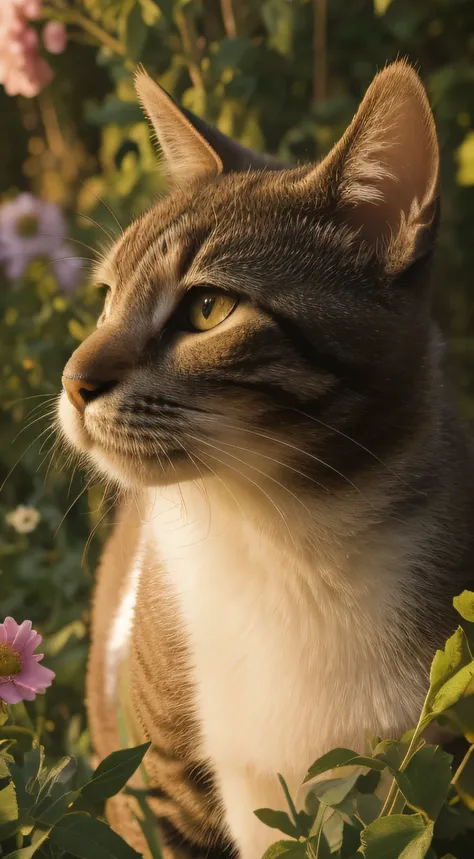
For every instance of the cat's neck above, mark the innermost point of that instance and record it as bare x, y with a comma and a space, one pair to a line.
331, 541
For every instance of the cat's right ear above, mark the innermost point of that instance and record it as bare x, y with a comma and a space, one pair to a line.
382, 176
191, 148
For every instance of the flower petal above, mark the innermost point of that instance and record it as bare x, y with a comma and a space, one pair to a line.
27, 692
31, 645
22, 636
35, 676
9, 693
11, 627
3, 633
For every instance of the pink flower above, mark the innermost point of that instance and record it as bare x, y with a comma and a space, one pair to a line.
22, 70
21, 676
54, 37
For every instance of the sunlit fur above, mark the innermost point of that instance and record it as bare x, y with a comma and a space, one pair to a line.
298, 490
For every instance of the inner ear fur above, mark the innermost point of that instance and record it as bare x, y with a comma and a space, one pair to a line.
382, 176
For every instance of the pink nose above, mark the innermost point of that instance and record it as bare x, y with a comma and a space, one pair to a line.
82, 391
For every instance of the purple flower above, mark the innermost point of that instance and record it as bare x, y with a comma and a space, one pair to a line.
29, 228
67, 268
21, 676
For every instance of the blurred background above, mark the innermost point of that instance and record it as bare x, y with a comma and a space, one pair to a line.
76, 163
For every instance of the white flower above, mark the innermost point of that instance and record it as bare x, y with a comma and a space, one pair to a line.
23, 519
29, 228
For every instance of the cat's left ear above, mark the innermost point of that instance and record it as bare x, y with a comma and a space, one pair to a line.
192, 149
382, 176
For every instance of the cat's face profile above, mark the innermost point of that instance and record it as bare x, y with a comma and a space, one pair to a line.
260, 321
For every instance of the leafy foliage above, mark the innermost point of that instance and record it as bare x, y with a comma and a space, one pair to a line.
50, 809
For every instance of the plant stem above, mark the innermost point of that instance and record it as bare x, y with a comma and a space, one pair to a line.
228, 19
462, 766
290, 802
319, 51
390, 801
185, 24
73, 16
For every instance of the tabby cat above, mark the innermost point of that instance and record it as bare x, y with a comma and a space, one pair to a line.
265, 387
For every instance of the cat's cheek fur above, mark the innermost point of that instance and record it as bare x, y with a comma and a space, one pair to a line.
72, 426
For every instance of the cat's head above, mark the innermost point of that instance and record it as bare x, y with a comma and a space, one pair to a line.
264, 320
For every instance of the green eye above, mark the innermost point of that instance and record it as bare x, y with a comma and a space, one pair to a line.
209, 308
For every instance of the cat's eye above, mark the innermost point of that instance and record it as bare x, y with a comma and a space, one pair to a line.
208, 307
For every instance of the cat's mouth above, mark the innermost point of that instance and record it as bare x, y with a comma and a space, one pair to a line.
123, 455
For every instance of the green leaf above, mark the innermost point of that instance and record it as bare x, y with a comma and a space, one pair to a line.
399, 836
150, 12
286, 849
26, 852
464, 605
368, 807
113, 773
4, 771
276, 820
50, 809
428, 776
136, 33
88, 838
8, 804
341, 758
333, 791
452, 670
392, 752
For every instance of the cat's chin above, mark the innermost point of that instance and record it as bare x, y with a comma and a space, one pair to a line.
133, 472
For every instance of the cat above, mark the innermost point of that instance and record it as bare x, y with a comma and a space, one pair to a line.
265, 386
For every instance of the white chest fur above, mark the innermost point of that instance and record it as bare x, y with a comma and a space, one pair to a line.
290, 658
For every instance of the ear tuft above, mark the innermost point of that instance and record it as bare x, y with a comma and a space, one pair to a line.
383, 173
187, 155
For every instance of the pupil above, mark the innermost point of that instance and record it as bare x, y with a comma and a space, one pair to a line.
207, 306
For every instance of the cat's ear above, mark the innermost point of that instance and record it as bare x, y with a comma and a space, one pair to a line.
382, 176
191, 148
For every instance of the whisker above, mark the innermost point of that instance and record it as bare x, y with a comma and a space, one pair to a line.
96, 224
277, 462
12, 469
258, 470
79, 495
305, 453
359, 445
91, 535
260, 488
220, 479
31, 423
104, 204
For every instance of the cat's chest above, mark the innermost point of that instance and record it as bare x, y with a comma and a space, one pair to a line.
283, 670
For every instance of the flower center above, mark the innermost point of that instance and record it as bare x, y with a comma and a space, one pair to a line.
27, 226
10, 663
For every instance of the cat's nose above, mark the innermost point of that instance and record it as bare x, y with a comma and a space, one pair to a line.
82, 390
